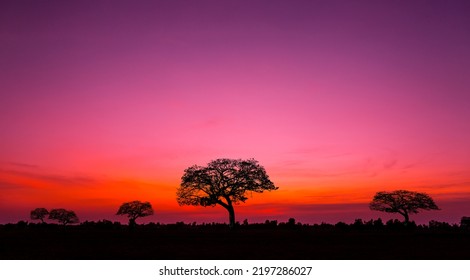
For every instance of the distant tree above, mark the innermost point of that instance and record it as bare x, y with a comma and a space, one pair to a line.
135, 209
465, 222
39, 214
63, 216
358, 224
339, 225
22, 224
402, 202
439, 225
224, 182
378, 223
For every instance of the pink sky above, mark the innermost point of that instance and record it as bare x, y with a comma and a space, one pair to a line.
104, 102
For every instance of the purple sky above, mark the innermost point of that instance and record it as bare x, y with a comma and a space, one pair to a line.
335, 98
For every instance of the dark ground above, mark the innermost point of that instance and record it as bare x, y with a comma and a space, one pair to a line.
218, 242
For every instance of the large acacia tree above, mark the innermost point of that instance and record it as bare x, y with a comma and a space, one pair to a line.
64, 216
223, 182
135, 209
402, 202
39, 214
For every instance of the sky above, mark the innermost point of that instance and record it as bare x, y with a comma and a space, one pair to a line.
104, 102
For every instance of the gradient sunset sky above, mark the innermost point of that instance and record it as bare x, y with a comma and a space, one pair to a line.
103, 102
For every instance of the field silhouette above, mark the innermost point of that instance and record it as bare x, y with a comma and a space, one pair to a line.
270, 240
226, 182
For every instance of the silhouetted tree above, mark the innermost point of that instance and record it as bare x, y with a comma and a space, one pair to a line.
135, 209
378, 223
339, 225
63, 216
22, 224
465, 222
439, 225
402, 202
39, 214
224, 182
358, 224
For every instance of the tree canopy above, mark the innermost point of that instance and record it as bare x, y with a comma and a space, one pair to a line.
224, 182
402, 202
39, 214
63, 216
135, 209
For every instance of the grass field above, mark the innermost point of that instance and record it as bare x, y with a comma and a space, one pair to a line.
218, 242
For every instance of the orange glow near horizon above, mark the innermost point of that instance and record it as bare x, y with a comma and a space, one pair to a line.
99, 197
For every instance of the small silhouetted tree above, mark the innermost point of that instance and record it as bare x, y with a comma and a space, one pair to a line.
39, 214
465, 222
378, 223
402, 202
135, 209
224, 182
64, 216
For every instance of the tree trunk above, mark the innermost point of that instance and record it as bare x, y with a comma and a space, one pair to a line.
407, 218
231, 211
231, 214
132, 223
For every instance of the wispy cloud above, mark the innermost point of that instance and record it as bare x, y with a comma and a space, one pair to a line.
4, 185
390, 163
446, 186
324, 152
23, 165
66, 180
